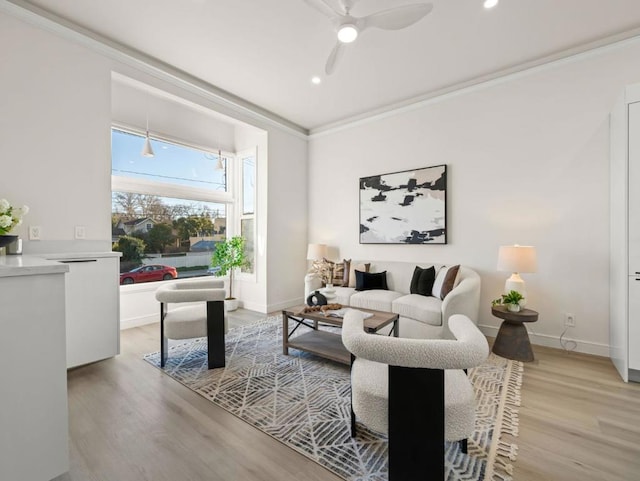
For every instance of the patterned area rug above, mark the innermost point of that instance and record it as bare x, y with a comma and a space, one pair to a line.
303, 401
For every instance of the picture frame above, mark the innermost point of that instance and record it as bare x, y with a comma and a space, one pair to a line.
405, 207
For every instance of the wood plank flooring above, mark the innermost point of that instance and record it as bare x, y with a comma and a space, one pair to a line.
130, 422
578, 420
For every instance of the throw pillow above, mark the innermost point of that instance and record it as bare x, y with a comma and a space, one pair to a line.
445, 281
347, 268
338, 273
422, 281
366, 281
352, 275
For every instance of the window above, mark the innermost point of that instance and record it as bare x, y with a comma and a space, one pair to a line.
247, 209
171, 209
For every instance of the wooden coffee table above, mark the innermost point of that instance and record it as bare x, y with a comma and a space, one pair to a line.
324, 343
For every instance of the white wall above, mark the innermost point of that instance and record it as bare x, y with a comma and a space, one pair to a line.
54, 137
55, 147
527, 163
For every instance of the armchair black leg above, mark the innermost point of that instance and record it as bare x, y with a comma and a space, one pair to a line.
164, 343
215, 334
353, 415
464, 445
414, 417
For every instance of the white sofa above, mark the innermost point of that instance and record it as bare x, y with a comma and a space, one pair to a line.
420, 316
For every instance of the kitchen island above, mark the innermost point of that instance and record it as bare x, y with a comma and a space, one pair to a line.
33, 378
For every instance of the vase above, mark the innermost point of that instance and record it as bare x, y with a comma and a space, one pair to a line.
230, 304
513, 307
5, 240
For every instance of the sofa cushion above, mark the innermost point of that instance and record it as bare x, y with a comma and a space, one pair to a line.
366, 281
422, 281
377, 299
343, 295
426, 309
370, 387
445, 281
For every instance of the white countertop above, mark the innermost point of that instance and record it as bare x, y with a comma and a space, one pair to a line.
27, 265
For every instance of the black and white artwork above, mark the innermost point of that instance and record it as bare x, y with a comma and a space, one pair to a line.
406, 207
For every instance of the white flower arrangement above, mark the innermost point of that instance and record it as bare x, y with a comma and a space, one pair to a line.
10, 216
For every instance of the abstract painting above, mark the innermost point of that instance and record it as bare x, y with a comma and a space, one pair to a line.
407, 207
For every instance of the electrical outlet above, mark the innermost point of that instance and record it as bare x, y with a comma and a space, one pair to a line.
569, 320
80, 232
35, 232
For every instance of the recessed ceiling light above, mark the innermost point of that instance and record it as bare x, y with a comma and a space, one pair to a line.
490, 3
316, 80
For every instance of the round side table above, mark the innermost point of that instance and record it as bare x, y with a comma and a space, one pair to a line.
512, 340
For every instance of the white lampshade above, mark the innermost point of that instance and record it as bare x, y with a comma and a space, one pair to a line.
517, 259
316, 251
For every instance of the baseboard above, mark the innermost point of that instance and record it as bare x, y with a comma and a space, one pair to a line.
278, 306
586, 347
138, 321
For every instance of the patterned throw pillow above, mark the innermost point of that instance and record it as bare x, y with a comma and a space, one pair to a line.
339, 272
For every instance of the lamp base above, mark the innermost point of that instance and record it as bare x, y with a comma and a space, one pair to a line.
515, 283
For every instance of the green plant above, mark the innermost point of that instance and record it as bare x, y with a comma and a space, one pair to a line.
512, 297
229, 255
132, 249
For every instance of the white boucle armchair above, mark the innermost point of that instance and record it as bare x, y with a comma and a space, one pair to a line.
204, 319
415, 390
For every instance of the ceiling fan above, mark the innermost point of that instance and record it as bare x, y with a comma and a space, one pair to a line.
349, 27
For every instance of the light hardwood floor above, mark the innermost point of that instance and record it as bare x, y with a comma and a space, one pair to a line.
130, 422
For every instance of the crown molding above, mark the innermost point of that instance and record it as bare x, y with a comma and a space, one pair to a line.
564, 57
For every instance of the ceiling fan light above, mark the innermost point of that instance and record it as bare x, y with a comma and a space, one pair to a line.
490, 3
347, 33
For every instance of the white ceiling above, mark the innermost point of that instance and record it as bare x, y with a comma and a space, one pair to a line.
266, 51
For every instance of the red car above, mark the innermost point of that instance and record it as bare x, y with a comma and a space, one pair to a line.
154, 272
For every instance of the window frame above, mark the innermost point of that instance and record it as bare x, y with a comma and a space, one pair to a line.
239, 178
232, 198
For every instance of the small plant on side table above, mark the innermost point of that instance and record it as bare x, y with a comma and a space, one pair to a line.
511, 300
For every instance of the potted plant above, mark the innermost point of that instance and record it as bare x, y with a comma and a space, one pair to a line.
10, 217
228, 256
512, 300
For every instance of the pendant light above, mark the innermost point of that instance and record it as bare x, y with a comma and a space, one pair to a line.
147, 151
220, 164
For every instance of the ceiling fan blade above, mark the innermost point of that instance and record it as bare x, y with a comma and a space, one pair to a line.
397, 18
334, 57
323, 7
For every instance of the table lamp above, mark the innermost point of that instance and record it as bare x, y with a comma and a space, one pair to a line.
516, 259
316, 252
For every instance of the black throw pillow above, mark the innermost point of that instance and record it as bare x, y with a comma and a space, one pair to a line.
366, 281
422, 281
